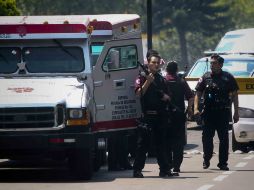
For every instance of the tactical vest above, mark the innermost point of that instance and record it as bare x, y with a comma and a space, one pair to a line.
216, 96
176, 89
152, 97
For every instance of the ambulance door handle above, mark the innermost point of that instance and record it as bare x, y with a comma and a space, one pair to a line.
98, 83
119, 84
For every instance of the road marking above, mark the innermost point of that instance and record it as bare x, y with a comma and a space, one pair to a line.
228, 172
241, 164
249, 157
220, 177
205, 187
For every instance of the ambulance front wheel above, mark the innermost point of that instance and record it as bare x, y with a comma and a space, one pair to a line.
81, 163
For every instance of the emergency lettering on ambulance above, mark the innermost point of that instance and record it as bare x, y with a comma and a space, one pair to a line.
66, 84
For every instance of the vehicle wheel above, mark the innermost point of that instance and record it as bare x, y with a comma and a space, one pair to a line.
99, 160
236, 145
81, 163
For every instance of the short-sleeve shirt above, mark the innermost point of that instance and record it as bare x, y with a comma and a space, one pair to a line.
151, 99
224, 81
179, 90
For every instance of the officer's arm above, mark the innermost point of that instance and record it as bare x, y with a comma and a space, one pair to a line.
236, 104
189, 108
142, 90
196, 102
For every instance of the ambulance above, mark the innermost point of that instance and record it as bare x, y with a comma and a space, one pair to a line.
241, 66
240, 41
66, 84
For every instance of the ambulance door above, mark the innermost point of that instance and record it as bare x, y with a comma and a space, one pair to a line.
114, 75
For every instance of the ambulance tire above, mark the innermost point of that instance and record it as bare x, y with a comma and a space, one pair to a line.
81, 163
236, 145
99, 160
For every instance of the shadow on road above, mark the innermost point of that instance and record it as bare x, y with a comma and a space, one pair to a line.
190, 146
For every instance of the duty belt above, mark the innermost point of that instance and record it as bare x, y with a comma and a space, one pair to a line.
151, 112
218, 108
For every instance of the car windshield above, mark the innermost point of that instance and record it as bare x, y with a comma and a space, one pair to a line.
42, 59
238, 68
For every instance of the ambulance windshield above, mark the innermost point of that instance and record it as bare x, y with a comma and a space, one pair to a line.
42, 59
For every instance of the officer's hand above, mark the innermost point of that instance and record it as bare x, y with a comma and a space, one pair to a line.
236, 117
196, 113
150, 78
165, 98
190, 113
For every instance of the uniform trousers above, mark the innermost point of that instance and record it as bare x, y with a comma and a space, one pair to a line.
176, 140
156, 129
216, 120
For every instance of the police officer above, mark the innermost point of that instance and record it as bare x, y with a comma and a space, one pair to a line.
152, 91
179, 90
219, 89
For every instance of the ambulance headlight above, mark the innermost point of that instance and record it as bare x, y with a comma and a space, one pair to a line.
246, 113
75, 113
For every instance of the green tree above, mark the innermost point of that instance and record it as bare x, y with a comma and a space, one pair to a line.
204, 17
8, 8
241, 12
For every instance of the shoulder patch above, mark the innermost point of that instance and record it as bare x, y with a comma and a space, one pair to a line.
137, 81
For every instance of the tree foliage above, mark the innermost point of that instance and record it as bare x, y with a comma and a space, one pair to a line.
8, 8
182, 29
203, 17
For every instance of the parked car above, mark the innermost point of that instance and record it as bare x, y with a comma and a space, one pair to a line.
242, 67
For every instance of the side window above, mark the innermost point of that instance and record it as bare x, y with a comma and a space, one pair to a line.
119, 58
96, 50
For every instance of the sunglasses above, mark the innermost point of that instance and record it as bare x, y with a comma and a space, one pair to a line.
214, 62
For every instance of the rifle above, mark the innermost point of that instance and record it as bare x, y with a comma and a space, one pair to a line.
173, 111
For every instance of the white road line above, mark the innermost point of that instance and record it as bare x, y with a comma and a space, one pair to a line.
220, 177
249, 157
241, 164
228, 172
205, 187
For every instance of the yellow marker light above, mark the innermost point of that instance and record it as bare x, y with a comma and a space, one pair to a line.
89, 29
85, 120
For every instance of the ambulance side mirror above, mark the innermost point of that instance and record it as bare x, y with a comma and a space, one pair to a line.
82, 77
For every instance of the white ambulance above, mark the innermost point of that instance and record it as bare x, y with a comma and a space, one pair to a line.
66, 83
237, 41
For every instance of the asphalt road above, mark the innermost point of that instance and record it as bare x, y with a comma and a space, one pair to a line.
48, 175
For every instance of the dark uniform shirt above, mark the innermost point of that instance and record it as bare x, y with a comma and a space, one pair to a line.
151, 99
178, 90
216, 88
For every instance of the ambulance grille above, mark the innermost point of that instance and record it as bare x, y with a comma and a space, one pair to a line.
31, 117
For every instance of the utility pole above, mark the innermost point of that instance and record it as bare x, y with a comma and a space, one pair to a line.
149, 24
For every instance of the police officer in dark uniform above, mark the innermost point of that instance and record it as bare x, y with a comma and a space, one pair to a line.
219, 89
179, 90
152, 91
